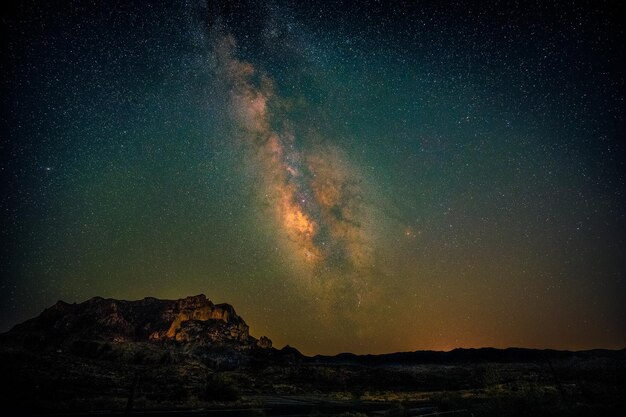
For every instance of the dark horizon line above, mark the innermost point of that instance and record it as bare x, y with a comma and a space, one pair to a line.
456, 349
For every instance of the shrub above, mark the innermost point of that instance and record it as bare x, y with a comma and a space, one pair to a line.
218, 388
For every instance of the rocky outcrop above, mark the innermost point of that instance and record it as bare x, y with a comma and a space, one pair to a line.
264, 343
191, 320
199, 309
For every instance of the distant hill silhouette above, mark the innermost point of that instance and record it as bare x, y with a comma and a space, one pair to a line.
508, 355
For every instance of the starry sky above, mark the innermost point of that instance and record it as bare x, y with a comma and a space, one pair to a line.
352, 176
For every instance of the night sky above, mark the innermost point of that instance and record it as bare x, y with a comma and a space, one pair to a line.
352, 176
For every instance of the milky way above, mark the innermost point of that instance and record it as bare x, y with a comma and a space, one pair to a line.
314, 196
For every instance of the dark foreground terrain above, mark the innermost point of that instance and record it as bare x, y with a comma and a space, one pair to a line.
192, 358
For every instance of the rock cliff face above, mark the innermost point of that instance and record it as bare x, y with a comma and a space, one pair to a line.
191, 320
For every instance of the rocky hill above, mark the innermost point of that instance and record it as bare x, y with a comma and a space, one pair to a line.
192, 357
192, 320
